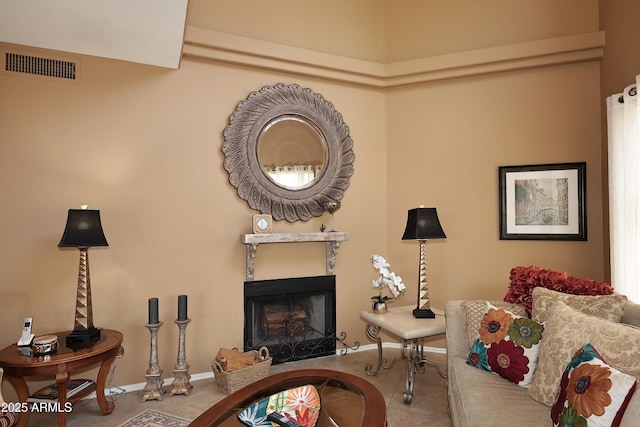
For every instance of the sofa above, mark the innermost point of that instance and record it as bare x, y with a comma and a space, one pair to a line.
481, 398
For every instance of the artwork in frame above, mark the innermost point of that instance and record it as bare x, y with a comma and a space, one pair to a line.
543, 202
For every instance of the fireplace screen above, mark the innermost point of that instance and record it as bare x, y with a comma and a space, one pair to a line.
294, 318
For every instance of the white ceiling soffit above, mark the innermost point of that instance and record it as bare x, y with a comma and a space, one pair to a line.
143, 31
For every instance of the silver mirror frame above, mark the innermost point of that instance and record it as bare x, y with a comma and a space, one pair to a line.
240, 149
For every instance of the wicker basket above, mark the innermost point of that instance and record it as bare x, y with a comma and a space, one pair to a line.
230, 382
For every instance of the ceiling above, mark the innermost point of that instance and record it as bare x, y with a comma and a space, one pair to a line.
143, 31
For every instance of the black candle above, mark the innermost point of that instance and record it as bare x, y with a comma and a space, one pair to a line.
153, 311
182, 307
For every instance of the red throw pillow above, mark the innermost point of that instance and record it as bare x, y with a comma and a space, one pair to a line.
524, 279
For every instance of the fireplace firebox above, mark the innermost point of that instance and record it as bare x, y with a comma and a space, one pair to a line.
295, 318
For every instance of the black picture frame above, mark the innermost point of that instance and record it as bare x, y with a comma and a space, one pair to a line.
543, 202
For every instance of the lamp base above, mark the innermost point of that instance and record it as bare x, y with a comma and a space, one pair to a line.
83, 336
423, 314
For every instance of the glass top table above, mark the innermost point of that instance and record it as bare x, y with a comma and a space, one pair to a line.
347, 400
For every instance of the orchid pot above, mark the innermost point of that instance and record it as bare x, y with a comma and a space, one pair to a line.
379, 307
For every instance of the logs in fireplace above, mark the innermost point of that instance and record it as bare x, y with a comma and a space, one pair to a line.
281, 320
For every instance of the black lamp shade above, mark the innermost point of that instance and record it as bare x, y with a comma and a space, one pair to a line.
83, 230
423, 224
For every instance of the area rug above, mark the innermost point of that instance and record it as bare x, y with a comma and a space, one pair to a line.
153, 418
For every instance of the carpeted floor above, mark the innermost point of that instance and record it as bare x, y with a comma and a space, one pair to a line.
429, 406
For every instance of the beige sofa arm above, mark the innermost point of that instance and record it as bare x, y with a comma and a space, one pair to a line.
631, 315
457, 343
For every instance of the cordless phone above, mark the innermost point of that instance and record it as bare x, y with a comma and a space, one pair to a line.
27, 336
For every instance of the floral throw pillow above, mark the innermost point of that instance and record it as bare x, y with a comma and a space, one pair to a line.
592, 392
508, 345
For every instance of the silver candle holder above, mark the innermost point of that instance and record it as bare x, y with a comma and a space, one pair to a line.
332, 207
181, 377
153, 388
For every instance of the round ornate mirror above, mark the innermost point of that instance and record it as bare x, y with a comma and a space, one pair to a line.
288, 152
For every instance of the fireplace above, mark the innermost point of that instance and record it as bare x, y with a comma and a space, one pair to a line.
294, 318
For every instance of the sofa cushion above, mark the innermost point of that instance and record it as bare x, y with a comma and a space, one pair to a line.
524, 279
592, 392
474, 311
566, 330
482, 399
608, 307
507, 345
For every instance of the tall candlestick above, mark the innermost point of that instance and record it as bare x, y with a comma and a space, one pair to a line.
182, 307
153, 311
153, 388
181, 377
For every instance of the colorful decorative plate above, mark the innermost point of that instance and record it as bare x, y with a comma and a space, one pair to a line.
301, 405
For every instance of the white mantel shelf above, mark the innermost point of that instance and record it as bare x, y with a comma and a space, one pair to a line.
332, 239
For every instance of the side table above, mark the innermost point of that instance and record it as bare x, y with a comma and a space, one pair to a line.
401, 322
65, 360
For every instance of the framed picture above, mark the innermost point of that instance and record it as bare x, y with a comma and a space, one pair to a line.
543, 202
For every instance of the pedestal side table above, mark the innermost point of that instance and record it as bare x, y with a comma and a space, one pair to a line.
19, 363
401, 322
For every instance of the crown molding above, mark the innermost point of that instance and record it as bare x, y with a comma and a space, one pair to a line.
218, 47
251, 53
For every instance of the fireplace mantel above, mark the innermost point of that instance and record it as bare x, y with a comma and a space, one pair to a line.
332, 239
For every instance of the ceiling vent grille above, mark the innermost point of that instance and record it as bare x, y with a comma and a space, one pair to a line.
46, 67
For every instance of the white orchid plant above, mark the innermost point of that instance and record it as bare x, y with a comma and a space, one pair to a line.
387, 278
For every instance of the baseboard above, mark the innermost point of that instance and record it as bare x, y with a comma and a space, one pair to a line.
395, 345
205, 375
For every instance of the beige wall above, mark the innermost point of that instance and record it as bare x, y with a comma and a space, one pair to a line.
434, 27
621, 63
446, 142
351, 28
142, 144
396, 30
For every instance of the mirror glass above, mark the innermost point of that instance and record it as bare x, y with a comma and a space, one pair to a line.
288, 152
291, 152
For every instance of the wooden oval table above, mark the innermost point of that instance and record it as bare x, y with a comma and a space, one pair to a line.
349, 400
18, 362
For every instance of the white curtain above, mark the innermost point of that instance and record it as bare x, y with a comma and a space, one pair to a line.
292, 176
623, 125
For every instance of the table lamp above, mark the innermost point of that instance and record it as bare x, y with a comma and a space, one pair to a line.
423, 225
83, 230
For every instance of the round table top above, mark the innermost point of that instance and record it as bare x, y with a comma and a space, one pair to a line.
358, 391
22, 357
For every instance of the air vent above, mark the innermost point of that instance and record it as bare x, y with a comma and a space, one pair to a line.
39, 66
